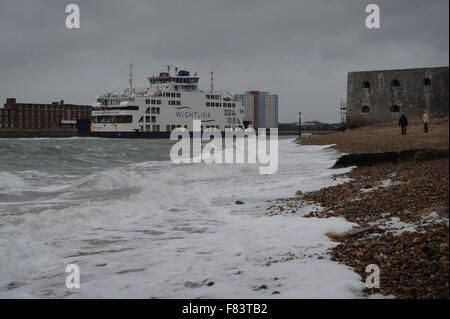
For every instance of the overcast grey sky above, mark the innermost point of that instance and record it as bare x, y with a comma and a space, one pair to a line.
301, 50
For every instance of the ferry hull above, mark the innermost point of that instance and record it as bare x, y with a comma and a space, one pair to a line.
154, 135
131, 134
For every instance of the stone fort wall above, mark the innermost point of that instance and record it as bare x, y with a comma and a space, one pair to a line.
382, 96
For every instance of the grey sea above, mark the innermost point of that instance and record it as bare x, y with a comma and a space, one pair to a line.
139, 226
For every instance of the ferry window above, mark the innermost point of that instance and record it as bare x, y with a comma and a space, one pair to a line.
366, 84
147, 119
147, 128
178, 102
427, 81
153, 119
207, 96
173, 127
155, 128
178, 94
147, 110
167, 128
158, 102
124, 118
186, 127
234, 104
173, 94
207, 104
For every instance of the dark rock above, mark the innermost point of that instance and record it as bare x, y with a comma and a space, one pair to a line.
238, 202
429, 155
407, 155
367, 159
358, 231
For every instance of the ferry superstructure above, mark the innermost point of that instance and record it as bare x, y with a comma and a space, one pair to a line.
172, 101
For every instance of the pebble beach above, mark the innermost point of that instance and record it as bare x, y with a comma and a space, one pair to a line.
402, 210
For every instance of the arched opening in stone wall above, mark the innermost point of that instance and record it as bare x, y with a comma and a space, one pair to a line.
366, 84
427, 81
395, 109
395, 83
365, 109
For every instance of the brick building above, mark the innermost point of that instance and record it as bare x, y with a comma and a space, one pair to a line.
41, 116
382, 96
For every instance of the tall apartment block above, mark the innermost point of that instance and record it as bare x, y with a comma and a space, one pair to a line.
261, 109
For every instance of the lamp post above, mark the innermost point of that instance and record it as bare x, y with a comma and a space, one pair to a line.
299, 124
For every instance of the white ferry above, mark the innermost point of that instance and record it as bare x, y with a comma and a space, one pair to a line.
172, 101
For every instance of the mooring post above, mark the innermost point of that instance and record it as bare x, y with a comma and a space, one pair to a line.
299, 124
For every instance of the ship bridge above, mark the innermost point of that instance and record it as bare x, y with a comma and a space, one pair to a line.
179, 80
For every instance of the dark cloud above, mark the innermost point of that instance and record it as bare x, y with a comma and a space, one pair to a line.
301, 50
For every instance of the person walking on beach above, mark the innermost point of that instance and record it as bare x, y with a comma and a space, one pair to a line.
403, 122
426, 120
